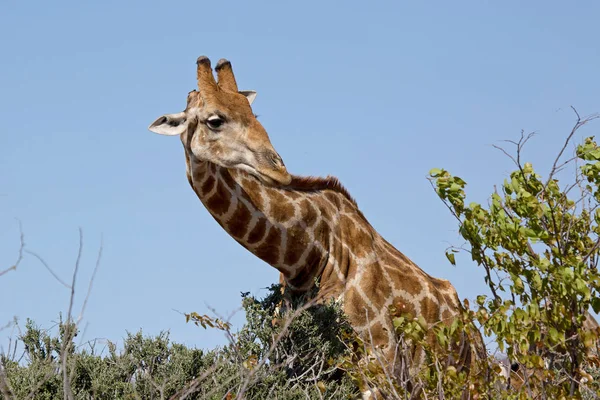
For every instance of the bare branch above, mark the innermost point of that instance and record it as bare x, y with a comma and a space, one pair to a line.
45, 264
578, 124
69, 327
506, 153
87, 296
21, 249
14, 267
77, 262
519, 144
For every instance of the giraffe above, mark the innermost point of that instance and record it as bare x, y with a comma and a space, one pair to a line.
309, 228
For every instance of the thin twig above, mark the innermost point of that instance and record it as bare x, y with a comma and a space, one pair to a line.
45, 264
77, 263
578, 124
21, 249
14, 267
7, 325
69, 327
87, 296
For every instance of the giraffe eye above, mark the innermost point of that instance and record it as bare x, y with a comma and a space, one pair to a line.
215, 122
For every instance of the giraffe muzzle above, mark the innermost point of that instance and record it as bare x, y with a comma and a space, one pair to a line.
273, 177
271, 165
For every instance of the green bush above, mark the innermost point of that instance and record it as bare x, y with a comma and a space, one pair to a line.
276, 355
539, 244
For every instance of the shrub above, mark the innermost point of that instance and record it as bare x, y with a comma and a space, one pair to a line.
292, 356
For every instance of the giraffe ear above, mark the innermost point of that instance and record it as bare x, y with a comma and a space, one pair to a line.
169, 124
250, 95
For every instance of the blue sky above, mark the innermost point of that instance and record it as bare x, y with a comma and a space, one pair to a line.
374, 93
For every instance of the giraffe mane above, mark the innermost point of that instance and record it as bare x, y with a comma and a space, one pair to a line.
317, 183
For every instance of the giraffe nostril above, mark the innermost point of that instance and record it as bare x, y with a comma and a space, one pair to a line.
275, 160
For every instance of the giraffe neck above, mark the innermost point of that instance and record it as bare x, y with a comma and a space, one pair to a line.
316, 231
319, 232
282, 227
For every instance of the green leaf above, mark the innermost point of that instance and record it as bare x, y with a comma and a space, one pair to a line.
596, 304
450, 257
553, 334
435, 172
481, 299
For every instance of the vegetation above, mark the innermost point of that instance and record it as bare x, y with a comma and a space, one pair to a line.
269, 358
538, 241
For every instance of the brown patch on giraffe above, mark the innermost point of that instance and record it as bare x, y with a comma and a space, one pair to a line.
253, 192
329, 276
251, 184
337, 247
430, 310
321, 231
354, 306
409, 281
347, 205
297, 241
334, 198
198, 170
314, 258
304, 277
208, 185
329, 279
308, 213
258, 232
228, 179
281, 209
301, 277
352, 268
238, 223
345, 263
219, 202
327, 211
447, 315
451, 299
360, 240
268, 251
376, 285
443, 284
377, 335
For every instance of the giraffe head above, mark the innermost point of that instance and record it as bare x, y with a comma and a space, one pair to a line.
218, 126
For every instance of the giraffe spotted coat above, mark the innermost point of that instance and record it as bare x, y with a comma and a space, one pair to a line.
310, 229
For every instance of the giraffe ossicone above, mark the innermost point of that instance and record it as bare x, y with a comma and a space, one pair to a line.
308, 228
